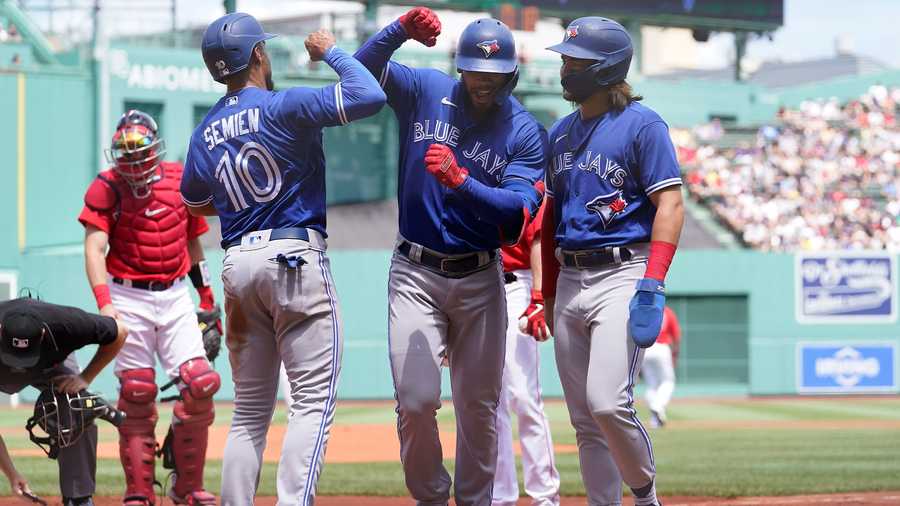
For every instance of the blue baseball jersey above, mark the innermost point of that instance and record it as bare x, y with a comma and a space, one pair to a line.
506, 150
257, 156
601, 172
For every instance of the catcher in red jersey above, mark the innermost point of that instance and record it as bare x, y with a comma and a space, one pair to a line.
135, 209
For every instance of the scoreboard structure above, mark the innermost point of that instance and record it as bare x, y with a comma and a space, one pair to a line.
719, 15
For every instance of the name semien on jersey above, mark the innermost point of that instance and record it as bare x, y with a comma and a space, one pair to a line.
240, 123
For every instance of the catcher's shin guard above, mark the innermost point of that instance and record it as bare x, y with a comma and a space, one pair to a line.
194, 413
137, 441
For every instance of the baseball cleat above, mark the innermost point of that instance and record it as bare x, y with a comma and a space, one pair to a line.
197, 498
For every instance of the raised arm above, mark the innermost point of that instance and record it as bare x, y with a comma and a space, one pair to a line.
419, 23
356, 96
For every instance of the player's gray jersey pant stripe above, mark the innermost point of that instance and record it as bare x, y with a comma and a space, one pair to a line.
463, 317
598, 362
318, 453
278, 314
635, 356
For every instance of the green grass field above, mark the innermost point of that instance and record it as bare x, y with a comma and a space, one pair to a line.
711, 447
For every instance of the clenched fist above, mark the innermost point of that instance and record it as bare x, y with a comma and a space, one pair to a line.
441, 163
318, 43
421, 24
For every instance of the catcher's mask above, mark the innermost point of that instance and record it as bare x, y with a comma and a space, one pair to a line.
64, 417
136, 151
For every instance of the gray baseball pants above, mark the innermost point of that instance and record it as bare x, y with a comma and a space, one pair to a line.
432, 315
598, 364
276, 313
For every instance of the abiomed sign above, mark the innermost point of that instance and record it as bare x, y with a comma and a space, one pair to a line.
846, 287
846, 368
151, 76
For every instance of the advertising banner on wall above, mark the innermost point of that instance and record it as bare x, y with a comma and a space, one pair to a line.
848, 368
846, 287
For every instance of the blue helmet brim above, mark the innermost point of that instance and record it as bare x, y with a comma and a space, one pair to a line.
574, 51
485, 65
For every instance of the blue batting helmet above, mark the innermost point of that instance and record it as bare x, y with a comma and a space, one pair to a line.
600, 39
228, 43
487, 45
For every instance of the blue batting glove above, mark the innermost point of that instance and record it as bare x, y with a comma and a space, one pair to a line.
646, 312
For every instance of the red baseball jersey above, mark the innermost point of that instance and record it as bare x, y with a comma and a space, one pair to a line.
147, 237
670, 333
518, 256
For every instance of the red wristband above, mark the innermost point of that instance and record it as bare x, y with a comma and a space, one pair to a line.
101, 294
661, 253
537, 296
207, 301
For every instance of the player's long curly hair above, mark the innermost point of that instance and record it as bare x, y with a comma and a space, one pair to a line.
621, 94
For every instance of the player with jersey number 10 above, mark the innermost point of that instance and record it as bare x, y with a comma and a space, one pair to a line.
257, 161
613, 219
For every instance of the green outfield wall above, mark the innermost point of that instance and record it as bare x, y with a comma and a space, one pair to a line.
737, 310
737, 307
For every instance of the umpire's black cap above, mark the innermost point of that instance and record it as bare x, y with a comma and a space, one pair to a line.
21, 336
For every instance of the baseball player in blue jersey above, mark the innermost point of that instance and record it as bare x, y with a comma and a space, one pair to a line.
613, 219
257, 162
469, 158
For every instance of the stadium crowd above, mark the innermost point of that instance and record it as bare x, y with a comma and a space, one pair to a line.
824, 177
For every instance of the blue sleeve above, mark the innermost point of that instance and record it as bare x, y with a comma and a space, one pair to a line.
503, 206
400, 83
356, 96
195, 191
656, 159
549, 164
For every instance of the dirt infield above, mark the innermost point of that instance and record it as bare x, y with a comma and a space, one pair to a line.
855, 499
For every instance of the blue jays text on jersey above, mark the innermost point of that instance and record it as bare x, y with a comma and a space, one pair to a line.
601, 173
505, 155
257, 156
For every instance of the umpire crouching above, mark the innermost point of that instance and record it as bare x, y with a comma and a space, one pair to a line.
36, 344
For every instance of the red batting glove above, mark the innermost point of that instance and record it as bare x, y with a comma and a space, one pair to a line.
207, 301
532, 321
421, 24
441, 163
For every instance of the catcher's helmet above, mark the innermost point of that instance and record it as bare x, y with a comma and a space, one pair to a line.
228, 44
136, 150
600, 39
64, 418
487, 45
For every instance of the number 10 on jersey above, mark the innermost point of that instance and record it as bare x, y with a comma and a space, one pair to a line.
238, 178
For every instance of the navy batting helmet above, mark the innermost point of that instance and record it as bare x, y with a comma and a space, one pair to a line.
600, 39
228, 43
487, 45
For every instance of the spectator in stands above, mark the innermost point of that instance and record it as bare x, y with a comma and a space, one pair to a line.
825, 178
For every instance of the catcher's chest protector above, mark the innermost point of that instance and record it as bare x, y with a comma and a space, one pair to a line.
150, 235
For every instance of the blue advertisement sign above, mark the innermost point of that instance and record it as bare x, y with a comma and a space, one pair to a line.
846, 288
846, 368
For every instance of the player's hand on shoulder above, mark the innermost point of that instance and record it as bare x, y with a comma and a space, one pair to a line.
318, 43
421, 24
